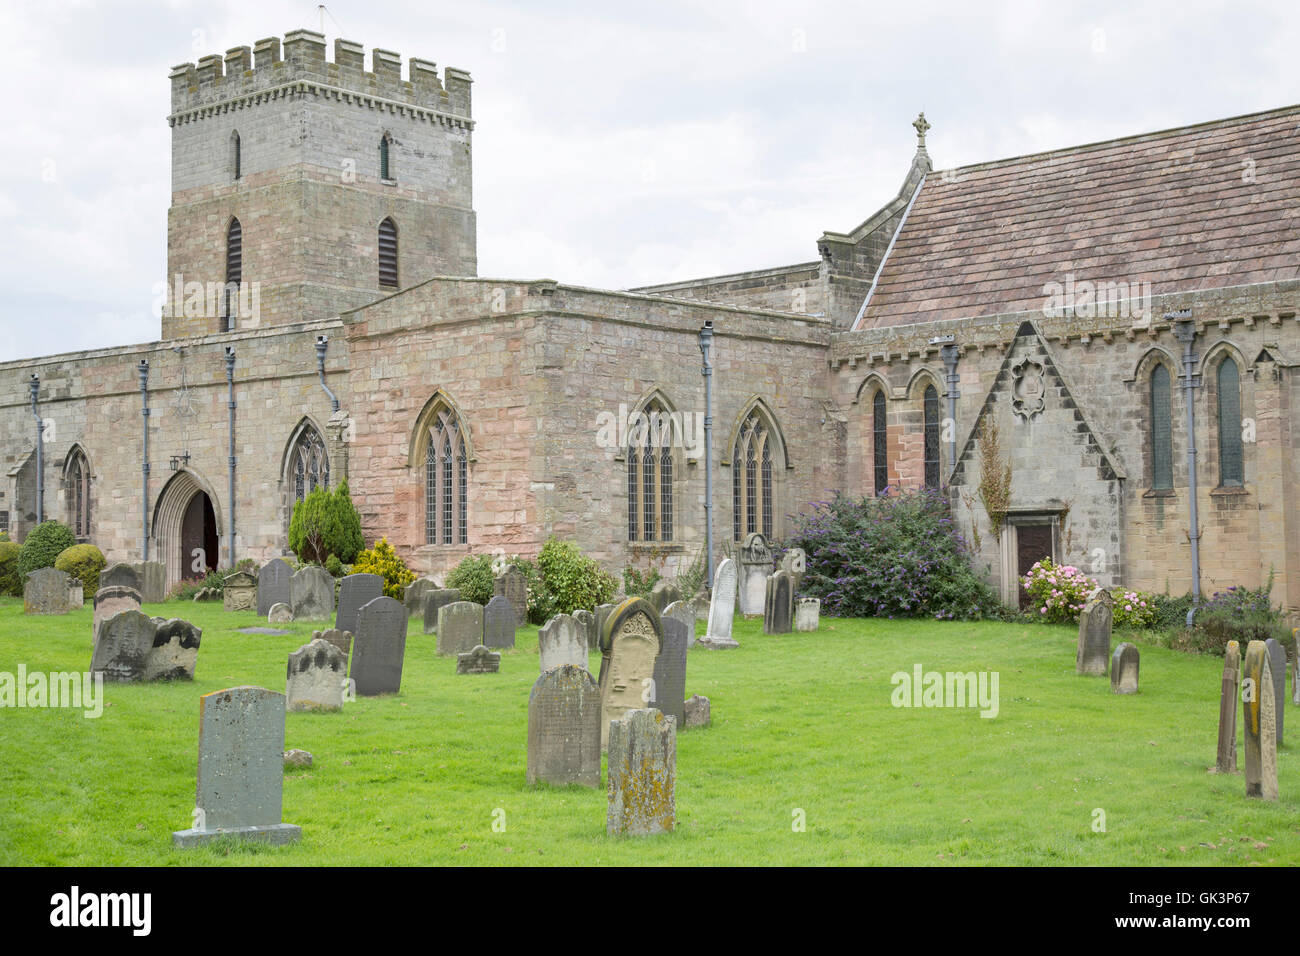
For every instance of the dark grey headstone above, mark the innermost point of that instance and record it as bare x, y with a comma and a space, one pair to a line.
1277, 662
124, 644
564, 728
778, 607
273, 585
478, 661
670, 667
460, 627
434, 601
355, 591
46, 591
499, 623
379, 647
587, 621
175, 650
1229, 692
241, 769
311, 594
664, 594
120, 575
413, 596
512, 585
683, 611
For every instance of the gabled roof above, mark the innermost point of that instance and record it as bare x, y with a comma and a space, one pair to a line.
1199, 207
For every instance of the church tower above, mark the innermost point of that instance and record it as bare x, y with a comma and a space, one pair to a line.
303, 187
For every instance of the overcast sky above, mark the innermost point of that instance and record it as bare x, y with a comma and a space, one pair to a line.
616, 145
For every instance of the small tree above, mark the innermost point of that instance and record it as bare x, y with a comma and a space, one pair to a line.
326, 524
42, 547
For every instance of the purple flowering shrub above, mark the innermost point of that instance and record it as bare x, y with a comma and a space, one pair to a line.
897, 556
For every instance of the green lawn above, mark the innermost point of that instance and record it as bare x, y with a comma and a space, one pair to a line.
800, 722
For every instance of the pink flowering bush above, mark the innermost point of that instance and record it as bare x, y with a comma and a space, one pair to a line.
1057, 592
1134, 609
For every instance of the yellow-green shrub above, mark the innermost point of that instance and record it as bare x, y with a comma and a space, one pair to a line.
10, 580
385, 562
83, 562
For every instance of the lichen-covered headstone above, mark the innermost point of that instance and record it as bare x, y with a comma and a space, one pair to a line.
1092, 652
512, 585
311, 594
663, 594
123, 645
698, 712
478, 661
340, 639
778, 605
670, 668
413, 595
564, 728
1226, 759
629, 645
1124, 669
273, 585
499, 623
807, 614
175, 651
684, 612
460, 627
113, 600
45, 591
755, 566
1277, 664
241, 769
601, 614
76, 595
432, 602
239, 592
152, 576
1258, 705
379, 648
722, 607
642, 774
356, 591
562, 641
316, 676
123, 575
587, 621
279, 614
796, 562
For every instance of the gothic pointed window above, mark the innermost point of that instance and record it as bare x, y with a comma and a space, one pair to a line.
1162, 443
77, 489
388, 254
650, 471
234, 273
752, 492
445, 474
1231, 471
385, 159
309, 463
931, 437
879, 443
236, 158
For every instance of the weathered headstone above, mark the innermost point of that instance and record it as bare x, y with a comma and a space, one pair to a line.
1277, 662
512, 585
297, 758
796, 562
564, 728
433, 601
478, 661
152, 576
601, 614
124, 575
175, 650
1092, 652
279, 614
1259, 719
460, 627
273, 585
111, 600
241, 769
629, 645
664, 594
807, 614
587, 621
1295, 672
1124, 669
379, 648
698, 712
45, 591
413, 595
316, 677
311, 594
684, 612
123, 645
356, 591
561, 641
1226, 759
755, 566
499, 622
340, 639
76, 595
239, 592
670, 668
778, 604
722, 607
642, 773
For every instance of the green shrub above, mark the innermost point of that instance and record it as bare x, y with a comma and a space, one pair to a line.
43, 545
83, 562
11, 581
326, 524
334, 566
637, 583
388, 564
473, 577
571, 579
1135, 610
692, 577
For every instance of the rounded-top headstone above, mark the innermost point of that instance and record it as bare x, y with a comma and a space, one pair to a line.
623, 613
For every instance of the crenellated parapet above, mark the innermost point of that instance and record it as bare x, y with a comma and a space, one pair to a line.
270, 69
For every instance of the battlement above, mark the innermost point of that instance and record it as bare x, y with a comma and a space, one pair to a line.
263, 69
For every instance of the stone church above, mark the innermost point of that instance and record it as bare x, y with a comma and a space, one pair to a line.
1123, 315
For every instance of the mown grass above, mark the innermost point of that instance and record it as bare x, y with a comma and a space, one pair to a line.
800, 723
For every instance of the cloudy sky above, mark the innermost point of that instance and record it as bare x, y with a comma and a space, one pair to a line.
617, 144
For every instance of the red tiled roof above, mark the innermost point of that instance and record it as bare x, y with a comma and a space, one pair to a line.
1169, 208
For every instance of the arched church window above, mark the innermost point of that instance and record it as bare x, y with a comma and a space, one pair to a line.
445, 478
1231, 470
388, 253
931, 437
650, 469
77, 489
752, 492
309, 464
1162, 445
879, 443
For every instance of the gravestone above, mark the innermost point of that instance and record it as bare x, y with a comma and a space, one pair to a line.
1093, 649
807, 614
698, 713
241, 769
1259, 719
76, 595
664, 594
111, 600
1226, 759
340, 639
796, 562
1295, 674
478, 661
413, 595
564, 728
642, 774
778, 604
175, 650
587, 621
1124, 669
601, 614
512, 585
279, 614
684, 612
239, 592
722, 607
561, 641
152, 576
123, 645
460, 627
755, 566
379, 647
499, 621
1277, 662
356, 591
311, 594
45, 591
434, 600
316, 676
273, 585
629, 645
670, 667
123, 575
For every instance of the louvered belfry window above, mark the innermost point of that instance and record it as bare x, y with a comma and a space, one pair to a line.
1231, 470
385, 168
931, 437
236, 157
1162, 443
650, 476
388, 254
234, 273
751, 478
445, 473
879, 443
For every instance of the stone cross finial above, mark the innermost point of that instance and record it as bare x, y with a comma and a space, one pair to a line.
921, 127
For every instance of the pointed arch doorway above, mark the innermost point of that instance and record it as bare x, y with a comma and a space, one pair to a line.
186, 528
